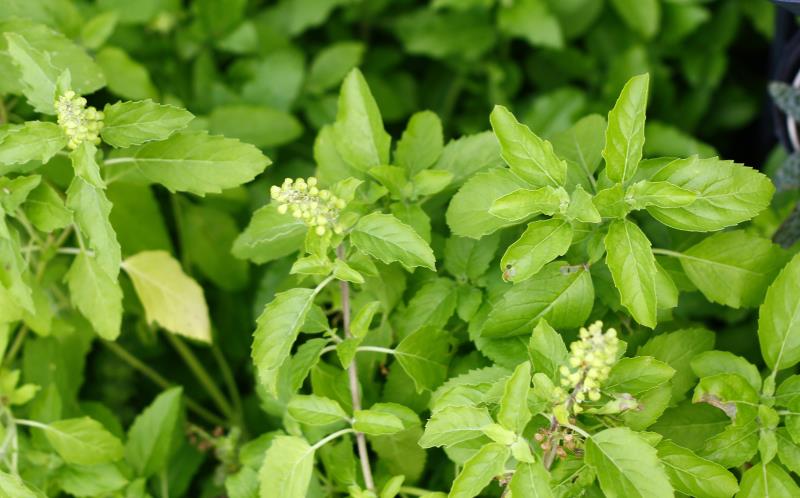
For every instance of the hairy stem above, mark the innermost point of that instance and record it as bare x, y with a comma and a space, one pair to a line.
352, 374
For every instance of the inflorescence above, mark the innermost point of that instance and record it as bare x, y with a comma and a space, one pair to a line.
589, 364
318, 208
80, 123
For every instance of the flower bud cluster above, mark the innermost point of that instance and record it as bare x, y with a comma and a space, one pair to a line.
80, 123
318, 208
589, 363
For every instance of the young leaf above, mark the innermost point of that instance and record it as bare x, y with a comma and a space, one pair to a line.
386, 238
542, 242
581, 207
45, 209
479, 471
530, 157
642, 16
468, 213
625, 131
83, 441
134, 123
421, 144
695, 476
660, 194
360, 138
563, 299
37, 72
315, 410
523, 203
727, 194
96, 295
276, 332
531, 480
198, 163
768, 480
425, 356
154, 435
778, 323
626, 465
633, 269
287, 468
455, 424
31, 141
582, 146
514, 413
269, 236
376, 423
91, 209
168, 295
547, 350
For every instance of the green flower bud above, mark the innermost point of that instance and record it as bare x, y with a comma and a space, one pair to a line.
80, 124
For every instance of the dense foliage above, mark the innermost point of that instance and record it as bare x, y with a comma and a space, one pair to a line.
570, 297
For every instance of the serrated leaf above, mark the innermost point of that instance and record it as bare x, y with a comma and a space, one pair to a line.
563, 299
198, 163
528, 156
625, 131
45, 209
134, 123
91, 210
479, 471
454, 424
386, 238
269, 236
276, 332
633, 269
37, 71
733, 268
83, 441
96, 295
779, 319
287, 468
626, 465
542, 242
155, 433
170, 297
727, 194
31, 141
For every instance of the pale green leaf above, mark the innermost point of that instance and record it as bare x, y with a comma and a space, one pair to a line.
779, 319
454, 424
468, 213
287, 468
376, 423
155, 433
315, 410
421, 144
633, 269
96, 294
694, 475
270, 235
480, 470
625, 131
83, 441
134, 123
768, 481
531, 480
91, 210
523, 203
384, 237
542, 242
514, 413
31, 141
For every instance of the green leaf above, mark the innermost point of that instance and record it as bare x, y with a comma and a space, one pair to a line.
733, 446
91, 480
514, 413
479, 471
610, 202
530, 480
432, 306
626, 465
768, 480
625, 131
97, 29
547, 350
287, 468
660, 194
711, 363
269, 236
12, 486
642, 16
542, 242
779, 319
689, 425
91, 210
637, 375
360, 138
431, 181
453, 425
678, 349
126, 77
332, 64
425, 356
727, 194
45, 209
168, 295
386, 238
155, 433
31, 141
198, 163
83, 441
258, 125
37, 72
468, 259
633, 269
315, 410
563, 299
13, 276
276, 332
523, 203
582, 146
581, 207
421, 144
134, 123
96, 295
731, 393
531, 20
530, 157
470, 154
468, 213
696, 476
733, 268
376, 423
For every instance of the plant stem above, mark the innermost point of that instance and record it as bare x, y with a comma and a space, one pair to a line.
411, 490
352, 374
201, 374
376, 349
159, 380
16, 345
667, 252
118, 160
330, 437
230, 382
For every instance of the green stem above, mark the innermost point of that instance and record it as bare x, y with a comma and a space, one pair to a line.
201, 374
327, 439
16, 346
667, 252
375, 349
411, 490
159, 380
230, 382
